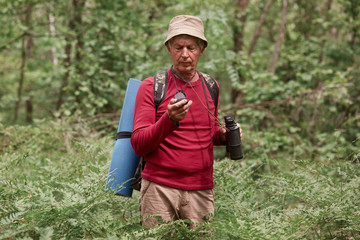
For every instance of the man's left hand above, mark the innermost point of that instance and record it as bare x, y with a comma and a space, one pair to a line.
223, 131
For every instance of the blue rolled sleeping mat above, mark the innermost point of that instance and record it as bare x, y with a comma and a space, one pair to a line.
124, 161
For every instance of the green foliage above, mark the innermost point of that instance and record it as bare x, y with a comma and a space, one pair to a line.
53, 176
299, 178
53, 182
115, 41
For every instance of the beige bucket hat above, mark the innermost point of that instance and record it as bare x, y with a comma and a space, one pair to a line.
186, 24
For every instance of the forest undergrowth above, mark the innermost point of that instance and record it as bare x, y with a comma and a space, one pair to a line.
52, 186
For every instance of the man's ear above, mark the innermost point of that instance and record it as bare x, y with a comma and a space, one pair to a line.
202, 51
167, 47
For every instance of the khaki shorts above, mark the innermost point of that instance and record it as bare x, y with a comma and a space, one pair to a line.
174, 204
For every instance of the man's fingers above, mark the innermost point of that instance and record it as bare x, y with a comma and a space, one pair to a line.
178, 110
240, 129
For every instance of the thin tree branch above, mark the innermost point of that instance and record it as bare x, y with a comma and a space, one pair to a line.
102, 115
27, 33
258, 28
110, 124
276, 52
12, 41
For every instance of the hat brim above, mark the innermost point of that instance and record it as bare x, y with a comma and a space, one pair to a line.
188, 31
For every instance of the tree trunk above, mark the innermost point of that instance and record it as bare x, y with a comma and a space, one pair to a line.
29, 110
75, 26
276, 52
78, 6
29, 41
327, 9
258, 28
52, 31
29, 55
21, 80
67, 64
79, 48
27, 46
355, 16
65, 78
240, 16
309, 13
353, 38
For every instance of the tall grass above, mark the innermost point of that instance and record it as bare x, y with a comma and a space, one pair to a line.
52, 186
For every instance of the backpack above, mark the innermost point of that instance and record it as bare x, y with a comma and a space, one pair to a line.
160, 86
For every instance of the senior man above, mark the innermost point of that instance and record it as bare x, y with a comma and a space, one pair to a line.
176, 138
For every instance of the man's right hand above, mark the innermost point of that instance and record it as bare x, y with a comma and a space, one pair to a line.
177, 111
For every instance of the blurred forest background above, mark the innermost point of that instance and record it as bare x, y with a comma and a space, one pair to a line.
288, 72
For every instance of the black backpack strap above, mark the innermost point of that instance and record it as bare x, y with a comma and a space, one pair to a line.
136, 181
160, 86
123, 134
212, 87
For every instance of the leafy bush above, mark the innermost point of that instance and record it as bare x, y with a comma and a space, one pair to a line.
53, 176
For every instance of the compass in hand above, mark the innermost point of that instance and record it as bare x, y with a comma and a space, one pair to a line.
180, 96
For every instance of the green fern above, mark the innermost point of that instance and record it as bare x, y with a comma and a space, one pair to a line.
12, 218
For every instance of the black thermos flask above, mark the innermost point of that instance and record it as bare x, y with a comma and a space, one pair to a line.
233, 140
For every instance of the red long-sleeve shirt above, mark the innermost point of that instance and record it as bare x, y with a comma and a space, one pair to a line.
176, 156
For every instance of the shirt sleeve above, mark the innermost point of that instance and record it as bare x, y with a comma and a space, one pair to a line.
147, 132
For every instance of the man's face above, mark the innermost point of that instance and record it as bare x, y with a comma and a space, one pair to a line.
185, 53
